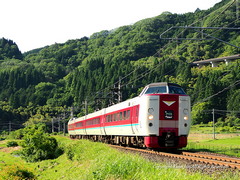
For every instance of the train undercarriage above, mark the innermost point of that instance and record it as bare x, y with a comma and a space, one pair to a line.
137, 141
166, 141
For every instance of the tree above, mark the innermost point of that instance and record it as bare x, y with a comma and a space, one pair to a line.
199, 113
37, 145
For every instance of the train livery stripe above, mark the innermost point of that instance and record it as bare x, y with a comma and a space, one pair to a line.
124, 125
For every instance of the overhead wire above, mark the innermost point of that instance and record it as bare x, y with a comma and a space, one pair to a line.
224, 73
158, 52
140, 76
219, 92
227, 6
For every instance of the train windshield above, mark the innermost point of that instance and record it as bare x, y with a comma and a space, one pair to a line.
156, 90
175, 90
164, 89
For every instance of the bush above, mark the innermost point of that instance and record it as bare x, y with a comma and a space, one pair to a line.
12, 144
225, 129
16, 172
37, 145
18, 134
70, 152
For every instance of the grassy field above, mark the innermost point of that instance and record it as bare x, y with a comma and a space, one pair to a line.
202, 139
86, 160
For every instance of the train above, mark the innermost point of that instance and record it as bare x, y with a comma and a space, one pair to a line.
160, 117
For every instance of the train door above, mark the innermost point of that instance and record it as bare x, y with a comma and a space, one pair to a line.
134, 113
102, 122
85, 124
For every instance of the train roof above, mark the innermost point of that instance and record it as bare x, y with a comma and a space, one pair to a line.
162, 84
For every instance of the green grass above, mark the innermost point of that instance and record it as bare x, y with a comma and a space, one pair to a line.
86, 160
208, 129
202, 139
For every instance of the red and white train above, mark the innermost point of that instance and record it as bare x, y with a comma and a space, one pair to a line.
158, 118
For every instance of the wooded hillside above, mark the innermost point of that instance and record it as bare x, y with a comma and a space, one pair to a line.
43, 83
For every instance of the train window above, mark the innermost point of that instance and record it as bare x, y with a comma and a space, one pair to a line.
121, 116
88, 123
156, 90
128, 114
107, 118
80, 124
125, 115
176, 90
115, 117
98, 120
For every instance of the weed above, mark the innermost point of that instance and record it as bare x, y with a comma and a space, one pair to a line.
12, 144
16, 173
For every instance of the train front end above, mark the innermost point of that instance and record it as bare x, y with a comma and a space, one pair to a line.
168, 115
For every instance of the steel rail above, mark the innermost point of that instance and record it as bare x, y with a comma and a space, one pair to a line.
196, 157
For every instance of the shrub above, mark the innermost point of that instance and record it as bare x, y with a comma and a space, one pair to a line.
18, 134
12, 144
16, 172
37, 145
70, 152
225, 129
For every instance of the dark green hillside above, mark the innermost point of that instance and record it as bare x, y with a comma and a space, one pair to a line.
9, 49
43, 83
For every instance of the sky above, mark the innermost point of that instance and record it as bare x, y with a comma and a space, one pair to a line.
33, 24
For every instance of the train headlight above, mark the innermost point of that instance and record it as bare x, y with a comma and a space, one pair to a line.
185, 112
150, 117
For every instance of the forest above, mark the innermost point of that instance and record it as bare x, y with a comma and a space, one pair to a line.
86, 74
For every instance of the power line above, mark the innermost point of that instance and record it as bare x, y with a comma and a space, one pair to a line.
148, 71
219, 39
140, 76
227, 6
223, 111
219, 92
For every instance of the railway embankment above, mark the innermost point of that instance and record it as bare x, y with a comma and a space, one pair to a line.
83, 159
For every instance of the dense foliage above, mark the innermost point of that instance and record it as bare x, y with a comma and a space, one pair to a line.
43, 83
37, 145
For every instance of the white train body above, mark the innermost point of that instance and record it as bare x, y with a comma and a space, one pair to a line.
158, 118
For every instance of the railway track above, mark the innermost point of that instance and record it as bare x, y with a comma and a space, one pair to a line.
195, 157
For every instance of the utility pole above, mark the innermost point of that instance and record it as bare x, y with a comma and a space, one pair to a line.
72, 111
10, 127
213, 124
52, 126
59, 125
119, 91
64, 125
86, 107
237, 9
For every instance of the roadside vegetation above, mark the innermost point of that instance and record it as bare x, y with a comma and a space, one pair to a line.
44, 84
31, 153
83, 159
225, 141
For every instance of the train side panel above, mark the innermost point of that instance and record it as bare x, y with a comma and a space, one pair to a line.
148, 116
184, 115
93, 123
122, 119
